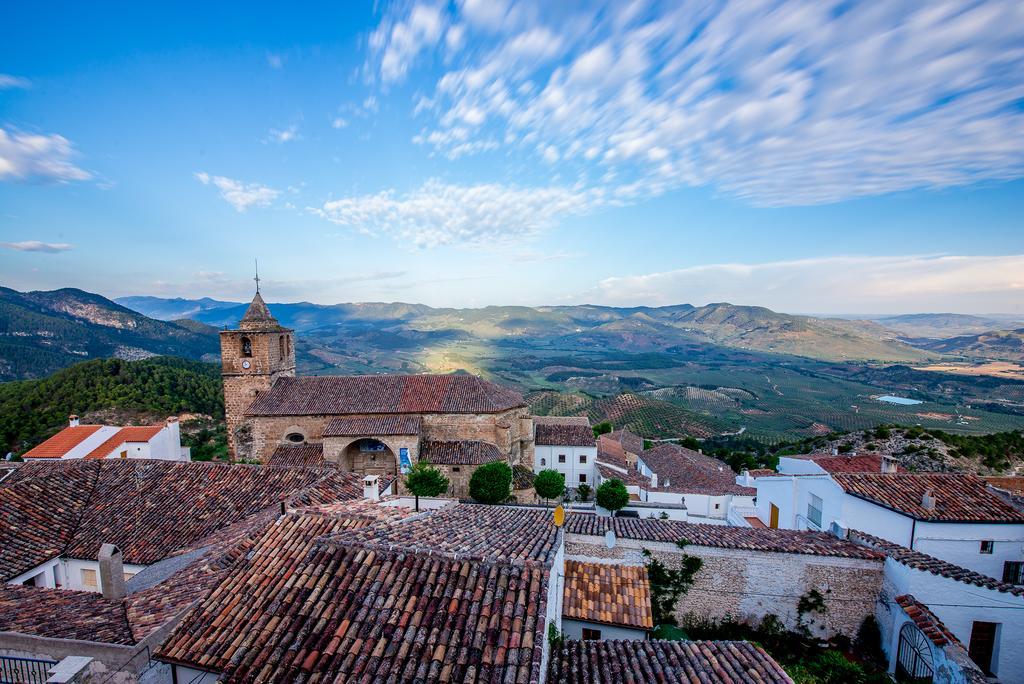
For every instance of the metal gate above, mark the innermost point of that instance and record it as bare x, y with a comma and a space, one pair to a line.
24, 670
914, 656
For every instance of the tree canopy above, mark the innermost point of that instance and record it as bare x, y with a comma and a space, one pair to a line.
612, 495
425, 480
550, 484
491, 483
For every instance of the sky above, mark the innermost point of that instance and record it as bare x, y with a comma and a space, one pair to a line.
825, 157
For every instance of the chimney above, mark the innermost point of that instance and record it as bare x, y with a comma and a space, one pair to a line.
928, 500
654, 480
835, 451
73, 420
174, 429
888, 464
111, 572
371, 490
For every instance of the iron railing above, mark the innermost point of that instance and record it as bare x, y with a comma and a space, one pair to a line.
24, 670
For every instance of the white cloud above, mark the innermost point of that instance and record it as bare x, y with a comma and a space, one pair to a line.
797, 102
28, 156
36, 246
396, 44
281, 136
8, 82
339, 122
241, 196
468, 215
840, 284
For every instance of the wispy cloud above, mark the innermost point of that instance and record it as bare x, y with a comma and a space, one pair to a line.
240, 195
283, 135
796, 102
439, 213
840, 284
30, 156
9, 82
37, 246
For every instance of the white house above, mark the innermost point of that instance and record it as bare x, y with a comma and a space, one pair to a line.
984, 615
606, 601
953, 516
161, 442
566, 444
705, 485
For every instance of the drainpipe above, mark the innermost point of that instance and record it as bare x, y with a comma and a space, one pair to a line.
913, 530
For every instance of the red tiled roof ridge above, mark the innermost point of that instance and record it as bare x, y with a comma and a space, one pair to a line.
127, 434
919, 560
62, 441
925, 620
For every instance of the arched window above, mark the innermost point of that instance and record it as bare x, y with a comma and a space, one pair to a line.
914, 656
289, 339
246, 346
280, 345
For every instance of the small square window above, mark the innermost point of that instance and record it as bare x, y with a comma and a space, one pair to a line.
583, 477
561, 458
591, 634
456, 469
583, 458
88, 578
986, 546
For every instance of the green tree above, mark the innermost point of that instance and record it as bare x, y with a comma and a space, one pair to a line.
549, 484
491, 483
612, 495
583, 492
602, 428
425, 480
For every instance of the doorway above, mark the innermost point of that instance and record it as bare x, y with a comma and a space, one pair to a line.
983, 644
773, 520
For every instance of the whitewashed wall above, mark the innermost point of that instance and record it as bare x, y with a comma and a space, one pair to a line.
572, 468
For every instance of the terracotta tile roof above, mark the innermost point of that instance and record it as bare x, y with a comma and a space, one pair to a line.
522, 477
149, 509
926, 621
1014, 485
514, 535
627, 440
689, 472
864, 463
305, 605
720, 536
761, 472
306, 455
629, 478
362, 394
959, 497
936, 566
665, 662
63, 614
564, 435
62, 442
460, 452
142, 433
610, 451
40, 506
369, 426
611, 594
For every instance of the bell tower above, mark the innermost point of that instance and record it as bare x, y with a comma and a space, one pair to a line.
252, 358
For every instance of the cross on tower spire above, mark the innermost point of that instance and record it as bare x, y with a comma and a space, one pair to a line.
257, 278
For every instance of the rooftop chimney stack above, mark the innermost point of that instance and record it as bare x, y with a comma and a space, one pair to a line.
112, 572
835, 451
73, 420
888, 464
928, 500
371, 490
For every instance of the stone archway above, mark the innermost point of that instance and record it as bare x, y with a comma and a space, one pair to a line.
370, 456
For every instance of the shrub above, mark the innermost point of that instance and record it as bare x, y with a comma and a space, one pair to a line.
425, 480
491, 483
583, 492
602, 428
612, 495
868, 643
549, 484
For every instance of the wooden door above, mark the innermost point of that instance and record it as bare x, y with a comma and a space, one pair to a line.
774, 517
983, 644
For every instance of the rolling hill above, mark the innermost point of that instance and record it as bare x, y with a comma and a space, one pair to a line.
41, 332
1004, 345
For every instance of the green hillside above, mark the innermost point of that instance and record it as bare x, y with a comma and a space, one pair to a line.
31, 410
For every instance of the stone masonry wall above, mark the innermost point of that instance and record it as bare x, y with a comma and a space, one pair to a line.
242, 385
748, 585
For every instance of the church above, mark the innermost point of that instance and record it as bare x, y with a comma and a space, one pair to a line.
367, 424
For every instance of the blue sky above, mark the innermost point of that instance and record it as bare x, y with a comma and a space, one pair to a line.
811, 157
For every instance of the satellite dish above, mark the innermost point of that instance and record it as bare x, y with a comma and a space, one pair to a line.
559, 516
609, 539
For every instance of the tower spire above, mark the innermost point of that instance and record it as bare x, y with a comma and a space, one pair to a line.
257, 278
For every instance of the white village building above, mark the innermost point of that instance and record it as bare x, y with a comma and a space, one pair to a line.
566, 444
91, 442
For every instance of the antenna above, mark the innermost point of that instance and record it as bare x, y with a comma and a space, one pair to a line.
257, 278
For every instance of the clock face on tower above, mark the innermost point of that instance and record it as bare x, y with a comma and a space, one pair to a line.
245, 365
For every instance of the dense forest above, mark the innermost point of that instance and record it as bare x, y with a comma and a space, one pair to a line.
31, 410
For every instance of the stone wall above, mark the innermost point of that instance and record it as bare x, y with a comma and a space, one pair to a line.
748, 585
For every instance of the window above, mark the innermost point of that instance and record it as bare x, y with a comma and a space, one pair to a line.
246, 346
123, 454
984, 636
288, 340
543, 461
591, 634
583, 458
986, 546
295, 437
88, 578
718, 506
456, 469
1013, 572
583, 477
561, 458
814, 510
280, 346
